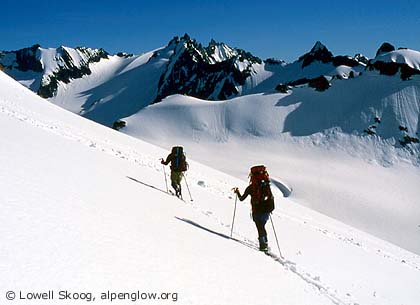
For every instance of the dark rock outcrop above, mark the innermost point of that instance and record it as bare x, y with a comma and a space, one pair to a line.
282, 88
345, 61
124, 55
319, 52
119, 124
274, 61
361, 59
26, 59
69, 70
212, 72
29, 59
390, 68
385, 48
320, 83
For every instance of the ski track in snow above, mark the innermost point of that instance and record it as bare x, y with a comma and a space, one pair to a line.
350, 240
222, 189
313, 281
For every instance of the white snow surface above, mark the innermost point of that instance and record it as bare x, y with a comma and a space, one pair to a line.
116, 88
222, 52
402, 56
313, 141
85, 209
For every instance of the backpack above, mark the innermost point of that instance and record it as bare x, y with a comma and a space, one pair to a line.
260, 182
179, 163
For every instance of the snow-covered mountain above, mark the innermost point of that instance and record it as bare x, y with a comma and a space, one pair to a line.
65, 75
370, 118
352, 98
85, 211
215, 72
106, 87
319, 93
389, 61
42, 70
276, 129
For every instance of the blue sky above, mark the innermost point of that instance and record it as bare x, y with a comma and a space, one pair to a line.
280, 29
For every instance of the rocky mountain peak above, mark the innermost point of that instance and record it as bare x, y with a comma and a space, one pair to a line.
212, 72
385, 48
318, 47
319, 52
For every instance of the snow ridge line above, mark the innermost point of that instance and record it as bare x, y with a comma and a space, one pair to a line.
131, 155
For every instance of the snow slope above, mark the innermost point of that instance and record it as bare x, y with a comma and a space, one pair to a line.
294, 71
315, 142
118, 86
84, 209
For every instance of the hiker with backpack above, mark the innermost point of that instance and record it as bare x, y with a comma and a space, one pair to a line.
178, 166
262, 201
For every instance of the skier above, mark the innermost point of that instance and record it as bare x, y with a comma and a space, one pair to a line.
262, 201
178, 166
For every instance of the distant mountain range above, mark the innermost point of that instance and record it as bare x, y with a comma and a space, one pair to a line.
107, 88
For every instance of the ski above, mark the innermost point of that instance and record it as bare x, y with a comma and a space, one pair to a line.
274, 256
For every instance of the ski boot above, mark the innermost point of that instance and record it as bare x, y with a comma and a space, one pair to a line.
263, 243
178, 192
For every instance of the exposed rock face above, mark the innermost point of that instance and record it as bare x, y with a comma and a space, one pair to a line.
124, 55
319, 52
283, 88
345, 61
386, 62
212, 72
69, 68
26, 59
274, 61
385, 48
119, 124
361, 59
320, 83
66, 64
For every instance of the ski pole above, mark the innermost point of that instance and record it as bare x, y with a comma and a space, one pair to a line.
276, 236
233, 220
166, 181
187, 187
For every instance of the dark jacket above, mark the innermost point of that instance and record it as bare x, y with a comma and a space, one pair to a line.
254, 201
170, 158
179, 165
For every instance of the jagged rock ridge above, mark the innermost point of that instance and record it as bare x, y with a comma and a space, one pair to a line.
212, 72
61, 64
